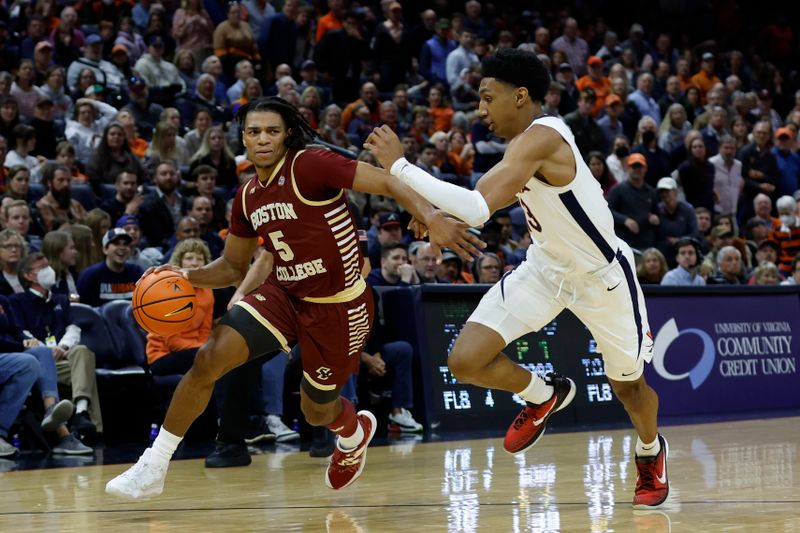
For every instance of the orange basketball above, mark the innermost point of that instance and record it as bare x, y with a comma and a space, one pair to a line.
164, 303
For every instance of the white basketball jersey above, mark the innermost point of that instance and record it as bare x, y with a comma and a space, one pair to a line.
571, 225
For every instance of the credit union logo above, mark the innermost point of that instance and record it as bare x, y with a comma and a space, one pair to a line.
667, 335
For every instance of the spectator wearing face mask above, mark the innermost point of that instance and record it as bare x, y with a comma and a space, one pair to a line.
45, 319
658, 164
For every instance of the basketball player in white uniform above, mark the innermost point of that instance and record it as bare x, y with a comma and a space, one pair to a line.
575, 261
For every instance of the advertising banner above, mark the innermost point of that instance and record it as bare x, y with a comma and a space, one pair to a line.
721, 354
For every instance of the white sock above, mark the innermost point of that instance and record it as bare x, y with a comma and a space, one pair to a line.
647, 450
348, 443
537, 391
81, 405
165, 444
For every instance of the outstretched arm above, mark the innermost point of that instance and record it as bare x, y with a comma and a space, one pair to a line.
495, 190
443, 231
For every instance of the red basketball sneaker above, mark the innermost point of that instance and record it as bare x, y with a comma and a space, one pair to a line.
345, 467
652, 486
530, 423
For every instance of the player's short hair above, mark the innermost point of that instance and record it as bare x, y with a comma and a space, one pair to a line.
301, 132
520, 69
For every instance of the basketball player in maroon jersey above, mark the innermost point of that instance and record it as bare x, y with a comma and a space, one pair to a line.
315, 295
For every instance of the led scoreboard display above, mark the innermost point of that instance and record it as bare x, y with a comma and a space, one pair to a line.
564, 346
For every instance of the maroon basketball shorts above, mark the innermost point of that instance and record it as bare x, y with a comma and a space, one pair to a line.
330, 335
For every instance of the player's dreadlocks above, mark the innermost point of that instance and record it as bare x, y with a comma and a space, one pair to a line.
301, 133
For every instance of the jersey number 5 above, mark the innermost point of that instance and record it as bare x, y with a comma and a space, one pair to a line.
283, 249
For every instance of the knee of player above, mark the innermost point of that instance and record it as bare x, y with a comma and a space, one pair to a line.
206, 364
462, 364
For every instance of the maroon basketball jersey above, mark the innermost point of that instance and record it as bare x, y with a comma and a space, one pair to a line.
301, 212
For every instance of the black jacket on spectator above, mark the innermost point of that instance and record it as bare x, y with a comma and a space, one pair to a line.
392, 58
9, 58
658, 164
698, 183
764, 161
626, 201
47, 137
340, 56
277, 41
5, 287
41, 317
588, 135
630, 120
114, 208
155, 221
7, 131
10, 334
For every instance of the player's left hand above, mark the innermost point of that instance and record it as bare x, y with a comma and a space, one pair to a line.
418, 229
385, 145
447, 232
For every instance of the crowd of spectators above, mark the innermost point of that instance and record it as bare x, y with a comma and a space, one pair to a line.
117, 142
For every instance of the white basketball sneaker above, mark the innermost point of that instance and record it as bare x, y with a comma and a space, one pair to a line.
142, 480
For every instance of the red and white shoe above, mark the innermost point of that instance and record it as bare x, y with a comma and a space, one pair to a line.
652, 485
346, 466
530, 423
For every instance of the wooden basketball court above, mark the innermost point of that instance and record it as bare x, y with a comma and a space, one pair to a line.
736, 476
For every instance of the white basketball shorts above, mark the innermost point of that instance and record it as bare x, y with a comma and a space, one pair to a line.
608, 301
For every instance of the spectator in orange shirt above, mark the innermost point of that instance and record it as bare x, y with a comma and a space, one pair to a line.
599, 83
137, 145
705, 79
174, 354
441, 110
369, 98
331, 20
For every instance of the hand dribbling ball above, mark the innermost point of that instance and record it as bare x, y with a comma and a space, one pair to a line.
164, 303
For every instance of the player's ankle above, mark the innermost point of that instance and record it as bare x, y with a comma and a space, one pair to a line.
538, 390
165, 445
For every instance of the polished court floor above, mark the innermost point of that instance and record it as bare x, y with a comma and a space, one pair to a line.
736, 476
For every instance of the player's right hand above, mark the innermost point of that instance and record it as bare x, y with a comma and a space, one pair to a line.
161, 268
385, 146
